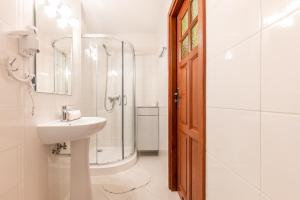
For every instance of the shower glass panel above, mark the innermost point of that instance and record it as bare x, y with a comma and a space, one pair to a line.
107, 76
128, 99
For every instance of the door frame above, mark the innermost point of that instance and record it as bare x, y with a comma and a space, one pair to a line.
172, 110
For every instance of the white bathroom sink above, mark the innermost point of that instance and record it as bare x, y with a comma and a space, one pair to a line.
61, 131
78, 132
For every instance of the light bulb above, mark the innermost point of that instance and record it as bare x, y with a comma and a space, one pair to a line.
62, 23
65, 11
50, 11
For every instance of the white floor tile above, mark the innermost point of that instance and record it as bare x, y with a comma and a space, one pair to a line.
157, 189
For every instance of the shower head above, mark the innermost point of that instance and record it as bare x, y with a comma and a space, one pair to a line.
106, 51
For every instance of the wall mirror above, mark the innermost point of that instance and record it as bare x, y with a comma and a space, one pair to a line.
53, 65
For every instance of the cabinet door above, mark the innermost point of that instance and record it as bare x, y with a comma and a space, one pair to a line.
147, 133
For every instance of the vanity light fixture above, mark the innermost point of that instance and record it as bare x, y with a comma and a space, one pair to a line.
57, 7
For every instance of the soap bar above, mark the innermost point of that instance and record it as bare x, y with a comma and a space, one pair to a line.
73, 115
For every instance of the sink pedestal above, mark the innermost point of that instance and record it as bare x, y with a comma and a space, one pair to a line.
78, 132
80, 173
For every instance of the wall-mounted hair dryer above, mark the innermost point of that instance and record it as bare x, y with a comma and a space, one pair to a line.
28, 41
28, 47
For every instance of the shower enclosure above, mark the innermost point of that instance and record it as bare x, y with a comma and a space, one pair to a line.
108, 88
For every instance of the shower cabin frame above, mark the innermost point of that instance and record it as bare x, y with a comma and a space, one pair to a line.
105, 36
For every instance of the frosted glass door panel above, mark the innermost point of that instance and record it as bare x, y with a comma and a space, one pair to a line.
129, 101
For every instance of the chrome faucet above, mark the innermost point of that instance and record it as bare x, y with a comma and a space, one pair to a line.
64, 113
65, 109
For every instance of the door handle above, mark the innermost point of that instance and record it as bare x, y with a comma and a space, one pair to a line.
176, 96
125, 100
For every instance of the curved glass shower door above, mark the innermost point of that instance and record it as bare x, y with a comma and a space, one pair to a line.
129, 99
108, 89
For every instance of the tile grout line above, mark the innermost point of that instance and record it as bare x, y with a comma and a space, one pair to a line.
280, 19
260, 99
23, 146
266, 195
250, 36
5, 149
260, 30
234, 109
253, 110
278, 112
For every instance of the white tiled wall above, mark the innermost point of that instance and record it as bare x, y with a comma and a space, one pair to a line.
23, 159
163, 78
253, 99
152, 89
147, 80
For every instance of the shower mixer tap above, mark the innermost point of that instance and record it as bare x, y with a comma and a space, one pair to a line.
114, 99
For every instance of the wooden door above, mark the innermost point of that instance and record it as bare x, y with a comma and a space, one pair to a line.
189, 100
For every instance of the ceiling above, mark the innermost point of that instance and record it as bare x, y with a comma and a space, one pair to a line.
123, 16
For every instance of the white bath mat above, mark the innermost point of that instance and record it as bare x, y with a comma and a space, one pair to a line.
123, 182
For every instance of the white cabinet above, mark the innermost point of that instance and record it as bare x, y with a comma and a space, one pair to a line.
148, 129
